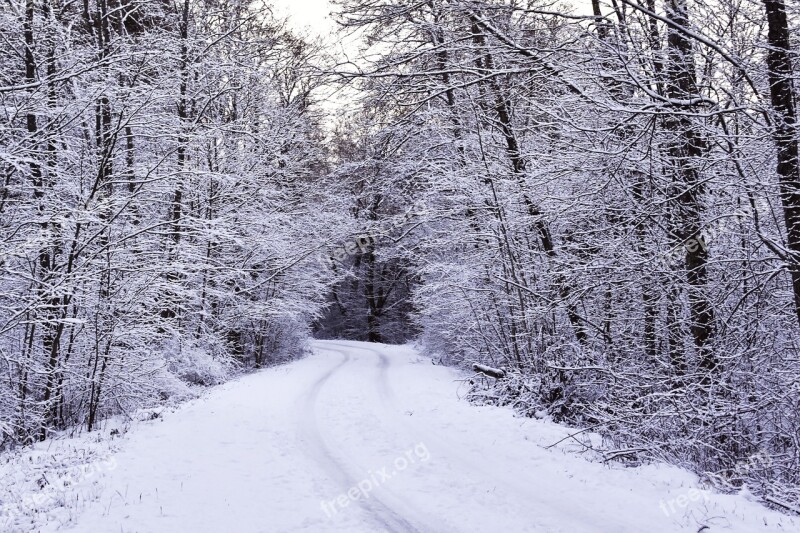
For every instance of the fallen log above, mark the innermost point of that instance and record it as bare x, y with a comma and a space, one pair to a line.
496, 373
779, 503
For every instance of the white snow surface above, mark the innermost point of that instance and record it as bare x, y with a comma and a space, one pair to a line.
357, 438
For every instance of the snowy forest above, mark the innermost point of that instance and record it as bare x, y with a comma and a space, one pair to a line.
597, 202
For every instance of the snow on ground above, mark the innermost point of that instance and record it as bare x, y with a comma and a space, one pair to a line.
356, 438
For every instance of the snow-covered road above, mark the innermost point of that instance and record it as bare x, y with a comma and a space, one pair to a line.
361, 437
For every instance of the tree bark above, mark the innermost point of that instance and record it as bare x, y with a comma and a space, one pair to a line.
782, 95
684, 152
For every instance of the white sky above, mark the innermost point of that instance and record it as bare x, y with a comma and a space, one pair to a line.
312, 18
310, 15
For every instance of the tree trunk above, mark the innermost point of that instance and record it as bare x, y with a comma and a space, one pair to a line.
518, 165
684, 152
170, 309
785, 133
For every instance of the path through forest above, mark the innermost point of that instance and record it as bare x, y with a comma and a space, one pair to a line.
364, 437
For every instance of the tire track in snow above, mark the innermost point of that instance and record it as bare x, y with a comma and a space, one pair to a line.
309, 430
395, 421
483, 465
